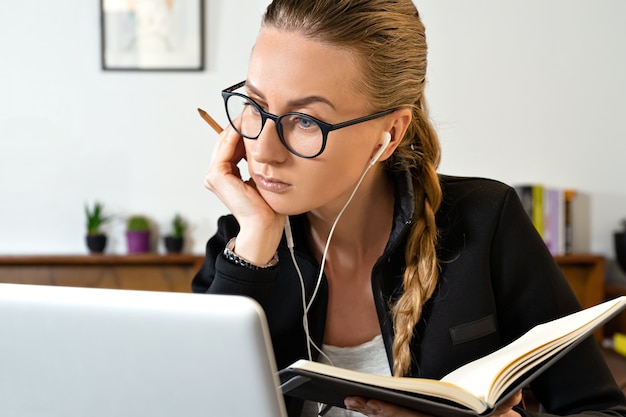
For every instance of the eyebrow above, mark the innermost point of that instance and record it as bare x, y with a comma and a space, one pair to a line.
299, 102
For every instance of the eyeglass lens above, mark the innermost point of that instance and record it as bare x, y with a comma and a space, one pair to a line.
300, 134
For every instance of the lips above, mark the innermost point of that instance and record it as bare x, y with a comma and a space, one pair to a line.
270, 184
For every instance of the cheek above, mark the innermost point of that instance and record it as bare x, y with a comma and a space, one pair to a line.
309, 190
248, 146
314, 185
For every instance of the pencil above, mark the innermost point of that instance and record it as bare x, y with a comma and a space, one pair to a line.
210, 120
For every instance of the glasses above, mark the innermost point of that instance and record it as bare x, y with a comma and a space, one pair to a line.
303, 135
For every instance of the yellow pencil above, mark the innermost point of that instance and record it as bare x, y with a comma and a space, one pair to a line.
210, 121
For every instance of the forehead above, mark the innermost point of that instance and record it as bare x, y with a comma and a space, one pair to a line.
291, 64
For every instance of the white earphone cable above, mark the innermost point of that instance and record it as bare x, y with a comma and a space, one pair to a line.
306, 306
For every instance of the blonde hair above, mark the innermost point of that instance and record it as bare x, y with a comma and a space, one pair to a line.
389, 39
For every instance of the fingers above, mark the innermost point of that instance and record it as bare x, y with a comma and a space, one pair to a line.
260, 225
374, 408
229, 148
223, 168
506, 408
360, 405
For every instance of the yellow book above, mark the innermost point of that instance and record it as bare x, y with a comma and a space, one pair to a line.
538, 211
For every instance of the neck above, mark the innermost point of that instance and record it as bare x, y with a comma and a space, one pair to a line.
365, 225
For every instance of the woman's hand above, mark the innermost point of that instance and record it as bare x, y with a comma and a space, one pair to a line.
506, 408
375, 408
261, 227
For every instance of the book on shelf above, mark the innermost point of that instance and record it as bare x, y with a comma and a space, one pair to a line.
568, 220
476, 388
559, 215
554, 224
538, 206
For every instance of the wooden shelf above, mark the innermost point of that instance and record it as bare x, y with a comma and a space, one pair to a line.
150, 271
585, 274
155, 272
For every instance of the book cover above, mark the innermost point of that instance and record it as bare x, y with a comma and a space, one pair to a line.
531, 196
538, 210
553, 220
524, 192
551, 212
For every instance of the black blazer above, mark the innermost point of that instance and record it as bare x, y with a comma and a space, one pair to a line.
497, 280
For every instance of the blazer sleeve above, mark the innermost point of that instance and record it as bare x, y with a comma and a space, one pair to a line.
219, 276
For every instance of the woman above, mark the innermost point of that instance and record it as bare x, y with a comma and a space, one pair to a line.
421, 273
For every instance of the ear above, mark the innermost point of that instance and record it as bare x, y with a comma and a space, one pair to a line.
397, 125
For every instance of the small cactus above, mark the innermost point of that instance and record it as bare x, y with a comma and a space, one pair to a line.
137, 224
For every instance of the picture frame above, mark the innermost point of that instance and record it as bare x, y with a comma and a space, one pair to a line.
152, 35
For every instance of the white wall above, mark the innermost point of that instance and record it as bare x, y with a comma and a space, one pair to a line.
534, 91
71, 133
521, 91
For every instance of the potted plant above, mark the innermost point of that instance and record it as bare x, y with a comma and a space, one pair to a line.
96, 239
175, 240
138, 234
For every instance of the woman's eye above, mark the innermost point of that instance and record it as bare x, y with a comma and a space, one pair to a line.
304, 123
249, 106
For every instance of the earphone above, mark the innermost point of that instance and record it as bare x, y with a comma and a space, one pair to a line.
383, 146
290, 244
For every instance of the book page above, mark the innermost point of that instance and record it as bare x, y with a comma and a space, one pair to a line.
479, 376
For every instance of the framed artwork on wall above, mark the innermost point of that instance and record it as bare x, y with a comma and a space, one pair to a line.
152, 35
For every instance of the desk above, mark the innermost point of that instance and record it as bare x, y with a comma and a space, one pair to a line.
152, 272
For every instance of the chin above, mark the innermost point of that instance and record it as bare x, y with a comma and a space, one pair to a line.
287, 210
284, 205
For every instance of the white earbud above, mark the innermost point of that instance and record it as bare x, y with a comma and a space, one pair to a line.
383, 146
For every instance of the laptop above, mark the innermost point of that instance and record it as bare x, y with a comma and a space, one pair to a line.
76, 352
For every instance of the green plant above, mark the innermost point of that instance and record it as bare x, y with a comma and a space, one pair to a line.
95, 218
178, 226
137, 223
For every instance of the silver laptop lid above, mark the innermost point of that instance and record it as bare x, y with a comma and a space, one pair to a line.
97, 352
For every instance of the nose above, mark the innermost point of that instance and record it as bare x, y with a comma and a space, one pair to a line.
267, 148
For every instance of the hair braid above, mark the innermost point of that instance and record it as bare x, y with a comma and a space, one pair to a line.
420, 276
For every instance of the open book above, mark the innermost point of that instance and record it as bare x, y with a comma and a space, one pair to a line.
476, 388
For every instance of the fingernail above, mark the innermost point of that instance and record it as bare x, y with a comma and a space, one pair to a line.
353, 404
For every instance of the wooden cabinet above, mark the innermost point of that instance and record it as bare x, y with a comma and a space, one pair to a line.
617, 324
585, 274
152, 272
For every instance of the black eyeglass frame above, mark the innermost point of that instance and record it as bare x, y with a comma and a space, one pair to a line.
324, 127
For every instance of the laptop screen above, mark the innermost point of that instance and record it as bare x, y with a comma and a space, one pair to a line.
67, 351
